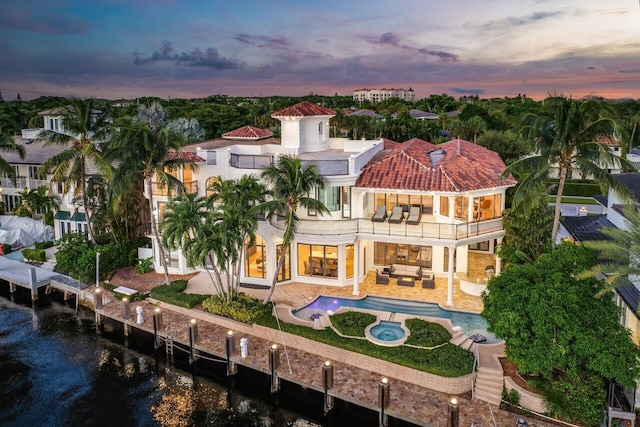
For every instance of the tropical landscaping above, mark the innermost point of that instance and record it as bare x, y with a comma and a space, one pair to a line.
560, 326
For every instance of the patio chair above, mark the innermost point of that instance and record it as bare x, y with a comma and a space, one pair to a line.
396, 215
414, 215
381, 279
380, 215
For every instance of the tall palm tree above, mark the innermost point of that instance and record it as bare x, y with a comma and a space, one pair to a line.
150, 153
84, 127
8, 145
619, 255
212, 231
566, 138
290, 184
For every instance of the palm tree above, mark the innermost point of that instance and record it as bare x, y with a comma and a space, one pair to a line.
149, 153
39, 201
290, 183
566, 138
83, 126
8, 145
618, 255
212, 231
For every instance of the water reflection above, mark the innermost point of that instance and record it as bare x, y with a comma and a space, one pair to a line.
56, 370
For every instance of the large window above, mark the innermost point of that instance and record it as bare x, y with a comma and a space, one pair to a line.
334, 198
393, 253
462, 208
405, 200
444, 206
318, 261
208, 183
350, 259
486, 207
255, 258
285, 271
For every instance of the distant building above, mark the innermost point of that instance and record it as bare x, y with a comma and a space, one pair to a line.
377, 95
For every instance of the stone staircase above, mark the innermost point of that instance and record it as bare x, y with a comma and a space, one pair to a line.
489, 384
461, 339
489, 380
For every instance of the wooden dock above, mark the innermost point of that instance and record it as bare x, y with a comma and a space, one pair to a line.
34, 278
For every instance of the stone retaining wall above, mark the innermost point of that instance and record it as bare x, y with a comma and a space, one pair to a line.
529, 400
457, 385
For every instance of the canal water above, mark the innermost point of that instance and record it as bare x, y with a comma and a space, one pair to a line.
56, 369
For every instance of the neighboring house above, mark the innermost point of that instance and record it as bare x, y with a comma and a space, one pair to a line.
442, 204
70, 217
377, 95
366, 112
583, 228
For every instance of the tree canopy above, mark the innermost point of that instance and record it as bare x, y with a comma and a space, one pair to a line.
551, 320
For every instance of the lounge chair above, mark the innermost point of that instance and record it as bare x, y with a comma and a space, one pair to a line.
380, 215
396, 215
414, 215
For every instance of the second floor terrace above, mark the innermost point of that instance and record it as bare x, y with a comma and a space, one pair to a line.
425, 229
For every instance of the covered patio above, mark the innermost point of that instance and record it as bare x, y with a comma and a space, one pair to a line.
300, 294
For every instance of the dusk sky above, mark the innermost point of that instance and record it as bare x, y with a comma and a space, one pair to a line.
183, 48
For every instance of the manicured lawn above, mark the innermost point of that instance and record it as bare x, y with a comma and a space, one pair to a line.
447, 361
575, 200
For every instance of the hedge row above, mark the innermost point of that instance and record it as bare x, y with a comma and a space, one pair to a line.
174, 294
35, 255
577, 188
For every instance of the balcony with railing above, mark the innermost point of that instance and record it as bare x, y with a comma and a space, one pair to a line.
23, 183
423, 230
165, 190
251, 161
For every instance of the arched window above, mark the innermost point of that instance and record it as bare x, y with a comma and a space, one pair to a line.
210, 181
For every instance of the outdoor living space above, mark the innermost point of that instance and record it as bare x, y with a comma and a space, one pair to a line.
300, 294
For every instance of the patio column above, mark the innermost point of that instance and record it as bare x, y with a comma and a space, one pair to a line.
498, 259
356, 267
452, 253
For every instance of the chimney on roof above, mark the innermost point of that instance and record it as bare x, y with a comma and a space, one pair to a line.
435, 156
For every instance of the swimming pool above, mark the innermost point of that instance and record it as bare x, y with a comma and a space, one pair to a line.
469, 322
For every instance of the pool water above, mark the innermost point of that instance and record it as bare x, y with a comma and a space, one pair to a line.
387, 331
470, 323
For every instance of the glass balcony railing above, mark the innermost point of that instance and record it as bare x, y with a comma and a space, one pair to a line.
425, 230
163, 190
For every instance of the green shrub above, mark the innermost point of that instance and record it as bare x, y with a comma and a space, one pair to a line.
577, 188
426, 334
352, 323
6, 248
169, 295
512, 397
145, 265
447, 361
76, 257
179, 285
44, 245
243, 309
35, 255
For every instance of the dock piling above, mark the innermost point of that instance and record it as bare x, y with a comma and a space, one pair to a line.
193, 337
327, 383
274, 364
383, 402
230, 349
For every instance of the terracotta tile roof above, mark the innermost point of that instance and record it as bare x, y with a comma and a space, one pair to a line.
414, 165
389, 144
607, 140
248, 132
304, 109
186, 155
